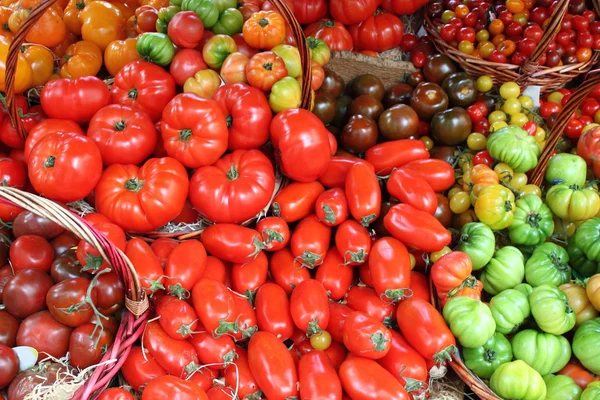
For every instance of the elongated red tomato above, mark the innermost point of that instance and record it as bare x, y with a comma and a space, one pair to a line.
171, 354
162, 247
246, 318
450, 271
143, 199
364, 336
404, 362
272, 366
309, 307
140, 368
235, 188
286, 272
337, 170
273, 311
337, 319
194, 130
275, 233
425, 329
353, 242
363, 193
215, 307
416, 228
146, 264
233, 243
247, 278
439, 174
335, 275
366, 299
185, 266
318, 379
410, 188
239, 376
218, 352
332, 207
177, 317
218, 270
419, 285
297, 200
389, 155
310, 242
364, 379
389, 264
172, 387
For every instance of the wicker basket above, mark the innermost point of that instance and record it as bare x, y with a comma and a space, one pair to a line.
530, 73
136, 302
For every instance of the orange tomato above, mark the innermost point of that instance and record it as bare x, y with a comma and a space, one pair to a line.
48, 31
583, 55
81, 59
318, 76
16, 18
498, 39
126, 10
515, 6
23, 78
61, 49
507, 47
131, 30
5, 14
158, 4
119, 53
496, 27
102, 23
41, 61
72, 15
264, 30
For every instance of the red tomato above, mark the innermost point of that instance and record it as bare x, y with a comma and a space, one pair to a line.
74, 99
309, 307
364, 379
162, 247
143, 86
416, 229
337, 319
45, 334
110, 292
335, 276
220, 393
309, 11
381, 31
89, 258
242, 46
285, 271
88, 344
9, 365
365, 336
216, 352
185, 266
143, 199
218, 270
239, 376
403, 361
194, 130
9, 326
389, 264
68, 303
353, 242
243, 107
31, 251
366, 300
483, 157
171, 354
116, 394
233, 243
337, 170
272, 366
235, 189
140, 368
146, 264
363, 193
177, 317
332, 207
13, 173
275, 233
186, 29
438, 174
317, 377
30, 284
354, 12
336, 353
450, 271
246, 318
185, 64
332, 32
215, 307
123, 135
410, 188
419, 285
65, 166
297, 200
247, 278
273, 311
425, 330
310, 241
580, 375
171, 387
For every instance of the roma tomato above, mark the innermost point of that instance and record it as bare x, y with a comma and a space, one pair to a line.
172, 354
332, 207
116, 394
232, 243
296, 201
365, 336
273, 311
74, 99
146, 265
416, 228
217, 352
177, 318
381, 31
405, 363
140, 368
215, 307
437, 173
309, 307
143, 199
338, 314
247, 278
335, 275
285, 271
389, 264
364, 379
172, 387
419, 285
408, 187
366, 300
275, 233
310, 241
242, 181
337, 171
353, 242
317, 377
239, 375
363, 193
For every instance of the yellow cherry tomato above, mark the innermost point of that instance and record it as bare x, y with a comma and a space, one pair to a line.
519, 119
556, 97
511, 106
413, 261
526, 101
531, 189
518, 180
563, 228
504, 172
453, 191
436, 255
322, 341
497, 116
497, 125
485, 83
466, 47
476, 141
460, 202
510, 90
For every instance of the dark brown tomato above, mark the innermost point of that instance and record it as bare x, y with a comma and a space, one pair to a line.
366, 105
25, 293
110, 324
415, 79
398, 122
87, 345
378, 224
63, 242
67, 302
324, 107
66, 266
333, 84
461, 89
28, 223
445, 153
45, 334
442, 212
110, 293
359, 134
334, 130
577, 7
368, 84
437, 67
397, 94
6, 274
9, 326
426, 48
27, 380
451, 127
342, 110
428, 99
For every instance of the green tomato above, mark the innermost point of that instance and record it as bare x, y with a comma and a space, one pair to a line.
591, 392
223, 5
566, 168
504, 271
551, 310
485, 359
586, 345
510, 309
578, 260
587, 238
478, 242
518, 381
561, 387
573, 203
319, 50
524, 288
156, 48
291, 57
207, 10
469, 320
285, 94
230, 22
216, 50
165, 15
544, 352
532, 223
514, 146
548, 265
175, 3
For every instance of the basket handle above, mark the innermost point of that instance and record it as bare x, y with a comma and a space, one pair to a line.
555, 134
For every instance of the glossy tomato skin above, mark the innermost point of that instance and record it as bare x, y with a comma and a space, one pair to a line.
408, 187
365, 336
30, 284
275, 232
310, 241
70, 293
116, 394
171, 354
353, 242
332, 207
403, 361
248, 278
363, 193
318, 379
272, 366
215, 306
31, 251
337, 319
64, 166
218, 352
334, 33
74, 99
297, 200
46, 127
335, 275
143, 86
286, 272
9, 326
177, 317
438, 174
140, 368
138, 207
235, 188
379, 32
239, 375
364, 379
309, 307
87, 344
28, 223
365, 299
416, 228
185, 266
146, 264
232, 243
273, 311
389, 264
353, 13
171, 387
9, 365
44, 333
110, 292
419, 285
89, 258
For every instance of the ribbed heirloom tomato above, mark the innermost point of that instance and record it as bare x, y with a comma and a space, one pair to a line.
349, 13
331, 32
381, 31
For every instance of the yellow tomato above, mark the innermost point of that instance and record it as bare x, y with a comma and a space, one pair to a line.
495, 206
454, 190
498, 125
83, 58
460, 202
556, 97
23, 77
496, 116
531, 189
519, 119
476, 141
413, 261
41, 61
204, 83
518, 180
504, 172
102, 23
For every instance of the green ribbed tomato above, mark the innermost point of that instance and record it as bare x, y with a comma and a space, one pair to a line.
587, 238
532, 223
510, 309
504, 271
207, 10
285, 94
586, 345
485, 359
579, 261
478, 242
524, 288
165, 15
518, 381
551, 311
544, 352
156, 48
513, 146
230, 22
561, 387
470, 321
573, 203
591, 392
216, 50
548, 265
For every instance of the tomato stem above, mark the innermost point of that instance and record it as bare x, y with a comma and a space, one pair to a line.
276, 209
134, 185
414, 385
263, 22
445, 355
378, 340
271, 236
313, 329
329, 23
329, 214
120, 126
367, 219
132, 94
489, 355
534, 219
185, 330
233, 173
268, 66
154, 285
229, 121
229, 358
49, 163
309, 259
185, 134
179, 291
358, 257
395, 295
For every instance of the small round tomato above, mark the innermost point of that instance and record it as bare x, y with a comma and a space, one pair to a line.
30, 284
275, 233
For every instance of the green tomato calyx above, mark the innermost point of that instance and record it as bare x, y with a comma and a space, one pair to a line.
489, 355
120, 126
508, 205
313, 329
263, 22
309, 259
134, 185
557, 262
233, 173
49, 163
185, 134
132, 94
378, 339
534, 219
394, 295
